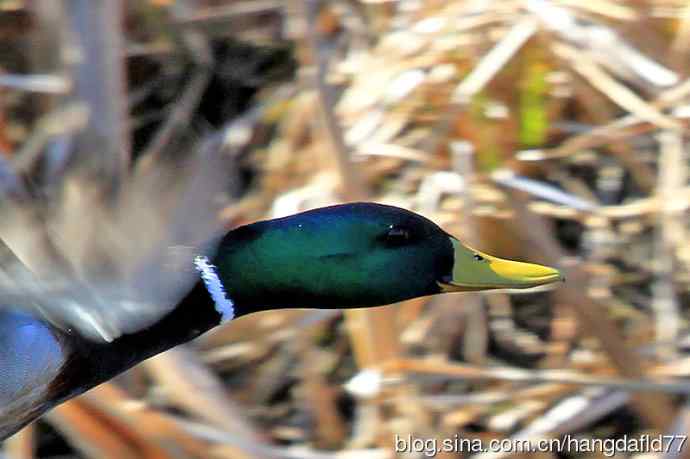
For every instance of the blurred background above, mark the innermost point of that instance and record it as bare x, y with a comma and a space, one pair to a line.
552, 131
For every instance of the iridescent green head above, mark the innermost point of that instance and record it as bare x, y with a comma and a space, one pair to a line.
357, 255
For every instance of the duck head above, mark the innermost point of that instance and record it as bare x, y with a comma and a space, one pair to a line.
357, 255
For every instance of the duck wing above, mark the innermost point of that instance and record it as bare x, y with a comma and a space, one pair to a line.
103, 264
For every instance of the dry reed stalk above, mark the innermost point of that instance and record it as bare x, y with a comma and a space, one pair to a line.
22, 444
600, 110
494, 60
198, 49
244, 11
192, 386
99, 79
158, 429
222, 452
670, 235
353, 187
320, 398
92, 433
617, 92
613, 10
449, 370
680, 41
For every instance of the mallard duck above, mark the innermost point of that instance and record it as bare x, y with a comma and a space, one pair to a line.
344, 256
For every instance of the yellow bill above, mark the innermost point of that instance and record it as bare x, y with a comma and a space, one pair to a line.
474, 270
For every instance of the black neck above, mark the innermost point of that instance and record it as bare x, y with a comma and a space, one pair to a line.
92, 363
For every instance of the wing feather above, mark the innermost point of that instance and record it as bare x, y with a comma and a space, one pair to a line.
106, 264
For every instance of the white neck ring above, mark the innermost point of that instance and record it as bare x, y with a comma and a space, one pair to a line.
223, 304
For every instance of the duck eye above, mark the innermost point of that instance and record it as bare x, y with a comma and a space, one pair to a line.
478, 257
397, 235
